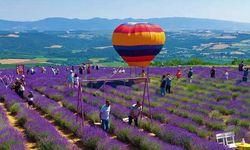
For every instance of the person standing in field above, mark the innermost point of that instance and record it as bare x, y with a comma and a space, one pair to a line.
245, 74
104, 115
21, 91
178, 74
168, 83
80, 70
163, 85
76, 80
32, 71
30, 99
70, 79
22, 80
190, 75
226, 75
212, 72
135, 112
241, 66
88, 69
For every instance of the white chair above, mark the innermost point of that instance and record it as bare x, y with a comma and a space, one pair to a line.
226, 139
220, 138
229, 136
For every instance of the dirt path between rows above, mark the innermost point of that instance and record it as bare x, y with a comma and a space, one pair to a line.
29, 145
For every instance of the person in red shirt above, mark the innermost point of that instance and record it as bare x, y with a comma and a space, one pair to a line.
88, 70
178, 74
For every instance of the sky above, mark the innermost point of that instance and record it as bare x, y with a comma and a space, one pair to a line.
30, 10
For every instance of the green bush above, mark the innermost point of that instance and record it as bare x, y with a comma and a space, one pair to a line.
56, 97
123, 134
197, 119
93, 116
7, 144
233, 121
40, 89
15, 108
21, 121
245, 124
149, 145
215, 125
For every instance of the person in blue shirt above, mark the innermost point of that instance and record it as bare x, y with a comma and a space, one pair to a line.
163, 85
245, 74
104, 115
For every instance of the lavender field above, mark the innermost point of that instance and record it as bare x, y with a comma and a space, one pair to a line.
188, 118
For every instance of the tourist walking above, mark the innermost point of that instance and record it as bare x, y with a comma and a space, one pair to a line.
245, 74
178, 74
190, 75
80, 70
241, 66
76, 80
163, 85
212, 72
70, 79
168, 83
104, 115
135, 112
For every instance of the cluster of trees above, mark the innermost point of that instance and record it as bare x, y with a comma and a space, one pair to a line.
194, 61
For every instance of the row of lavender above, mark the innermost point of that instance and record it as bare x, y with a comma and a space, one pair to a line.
36, 127
9, 137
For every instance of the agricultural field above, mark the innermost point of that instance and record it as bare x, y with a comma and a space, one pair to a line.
187, 119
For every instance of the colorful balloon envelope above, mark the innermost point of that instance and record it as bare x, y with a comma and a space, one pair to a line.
138, 43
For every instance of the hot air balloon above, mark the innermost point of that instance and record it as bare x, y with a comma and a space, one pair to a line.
138, 43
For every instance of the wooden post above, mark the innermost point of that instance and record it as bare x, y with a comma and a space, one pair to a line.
143, 98
149, 104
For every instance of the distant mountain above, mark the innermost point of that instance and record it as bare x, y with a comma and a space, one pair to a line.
174, 23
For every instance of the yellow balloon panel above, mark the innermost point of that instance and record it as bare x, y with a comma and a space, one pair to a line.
139, 38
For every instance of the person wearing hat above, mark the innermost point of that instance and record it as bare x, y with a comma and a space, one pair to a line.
30, 99
135, 111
